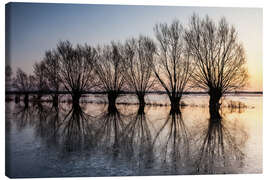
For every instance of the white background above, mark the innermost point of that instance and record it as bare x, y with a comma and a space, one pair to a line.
265, 4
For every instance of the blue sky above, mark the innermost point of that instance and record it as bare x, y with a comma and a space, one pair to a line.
35, 28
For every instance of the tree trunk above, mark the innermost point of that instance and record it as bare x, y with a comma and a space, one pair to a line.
175, 103
141, 110
214, 101
214, 104
26, 99
112, 95
175, 111
39, 95
214, 114
76, 110
55, 100
141, 100
17, 98
76, 98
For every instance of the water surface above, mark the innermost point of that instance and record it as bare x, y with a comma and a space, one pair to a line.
89, 140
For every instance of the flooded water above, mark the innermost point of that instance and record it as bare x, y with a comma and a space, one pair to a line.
89, 140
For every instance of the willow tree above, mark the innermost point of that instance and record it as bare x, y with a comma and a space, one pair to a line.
172, 66
138, 58
23, 84
52, 66
40, 83
218, 55
109, 72
76, 68
8, 77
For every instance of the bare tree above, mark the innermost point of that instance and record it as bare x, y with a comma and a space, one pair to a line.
218, 55
23, 83
8, 77
138, 58
40, 82
76, 68
51, 71
109, 71
172, 66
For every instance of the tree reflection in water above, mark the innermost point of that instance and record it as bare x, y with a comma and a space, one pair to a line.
132, 139
137, 142
40, 112
47, 123
23, 115
220, 149
109, 128
175, 145
69, 129
76, 130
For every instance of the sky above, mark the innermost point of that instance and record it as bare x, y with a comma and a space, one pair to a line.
33, 28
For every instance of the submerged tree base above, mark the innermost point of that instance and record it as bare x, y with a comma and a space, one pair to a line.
17, 99
214, 113
112, 95
214, 105
141, 109
26, 100
214, 108
76, 99
55, 100
175, 110
112, 108
175, 104
141, 100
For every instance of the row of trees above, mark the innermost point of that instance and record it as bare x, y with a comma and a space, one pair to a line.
204, 55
